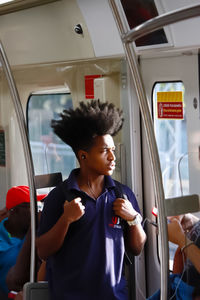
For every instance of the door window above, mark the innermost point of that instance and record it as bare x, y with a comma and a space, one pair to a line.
171, 136
49, 153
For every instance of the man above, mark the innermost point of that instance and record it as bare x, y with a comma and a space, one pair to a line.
19, 273
81, 233
184, 231
12, 230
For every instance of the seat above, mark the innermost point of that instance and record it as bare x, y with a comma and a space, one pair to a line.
36, 291
47, 180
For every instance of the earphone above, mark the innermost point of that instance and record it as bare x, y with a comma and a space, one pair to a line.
83, 156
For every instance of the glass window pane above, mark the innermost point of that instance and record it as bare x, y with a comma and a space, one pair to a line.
171, 137
139, 11
49, 153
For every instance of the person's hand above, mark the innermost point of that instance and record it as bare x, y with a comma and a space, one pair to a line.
188, 221
179, 218
175, 232
124, 209
19, 296
73, 210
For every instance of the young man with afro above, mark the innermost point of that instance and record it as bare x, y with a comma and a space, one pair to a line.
80, 233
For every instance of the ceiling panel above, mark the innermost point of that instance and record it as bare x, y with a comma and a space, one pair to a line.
21, 4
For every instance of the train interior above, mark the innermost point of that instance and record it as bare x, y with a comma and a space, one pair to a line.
64, 51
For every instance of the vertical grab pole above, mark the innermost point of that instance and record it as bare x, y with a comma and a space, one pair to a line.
27, 153
152, 146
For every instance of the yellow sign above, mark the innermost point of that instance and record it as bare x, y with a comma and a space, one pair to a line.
170, 105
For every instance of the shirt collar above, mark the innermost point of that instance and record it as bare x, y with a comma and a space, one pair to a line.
72, 182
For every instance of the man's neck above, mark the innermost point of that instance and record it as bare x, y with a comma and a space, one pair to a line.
90, 183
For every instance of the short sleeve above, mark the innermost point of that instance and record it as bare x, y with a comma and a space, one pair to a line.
53, 209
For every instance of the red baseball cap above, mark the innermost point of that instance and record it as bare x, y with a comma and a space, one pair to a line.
19, 194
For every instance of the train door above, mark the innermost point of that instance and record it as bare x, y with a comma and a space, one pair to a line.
43, 99
172, 88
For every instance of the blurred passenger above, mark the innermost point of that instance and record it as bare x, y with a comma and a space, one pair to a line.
188, 223
80, 233
184, 231
13, 230
19, 273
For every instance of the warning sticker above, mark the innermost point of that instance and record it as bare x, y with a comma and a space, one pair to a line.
89, 86
170, 105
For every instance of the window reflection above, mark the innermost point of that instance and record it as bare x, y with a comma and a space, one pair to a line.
139, 11
171, 137
49, 153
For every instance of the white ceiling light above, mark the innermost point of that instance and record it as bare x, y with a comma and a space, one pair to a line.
5, 1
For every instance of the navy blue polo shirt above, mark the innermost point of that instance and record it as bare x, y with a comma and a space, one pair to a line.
89, 265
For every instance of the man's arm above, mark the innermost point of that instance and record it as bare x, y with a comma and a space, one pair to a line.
20, 272
51, 241
188, 221
136, 236
136, 239
176, 235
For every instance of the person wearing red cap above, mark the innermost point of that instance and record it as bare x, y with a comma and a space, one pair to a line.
13, 230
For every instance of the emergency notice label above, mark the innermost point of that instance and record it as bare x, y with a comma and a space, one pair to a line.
89, 86
170, 105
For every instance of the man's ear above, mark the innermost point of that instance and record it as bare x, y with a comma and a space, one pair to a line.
82, 155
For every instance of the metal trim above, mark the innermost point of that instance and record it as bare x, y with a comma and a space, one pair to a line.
159, 22
27, 153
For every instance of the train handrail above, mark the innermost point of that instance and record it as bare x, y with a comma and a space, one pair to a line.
127, 37
179, 171
27, 153
151, 141
160, 21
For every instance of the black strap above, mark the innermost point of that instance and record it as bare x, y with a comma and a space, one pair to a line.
128, 258
119, 193
69, 194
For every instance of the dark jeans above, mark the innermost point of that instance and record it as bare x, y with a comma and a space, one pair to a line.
179, 290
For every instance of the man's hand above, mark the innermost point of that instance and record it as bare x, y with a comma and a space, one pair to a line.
188, 221
175, 232
73, 210
124, 209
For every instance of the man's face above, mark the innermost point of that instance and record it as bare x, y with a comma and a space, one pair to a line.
101, 157
21, 215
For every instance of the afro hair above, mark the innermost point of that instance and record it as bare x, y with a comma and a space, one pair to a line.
78, 127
